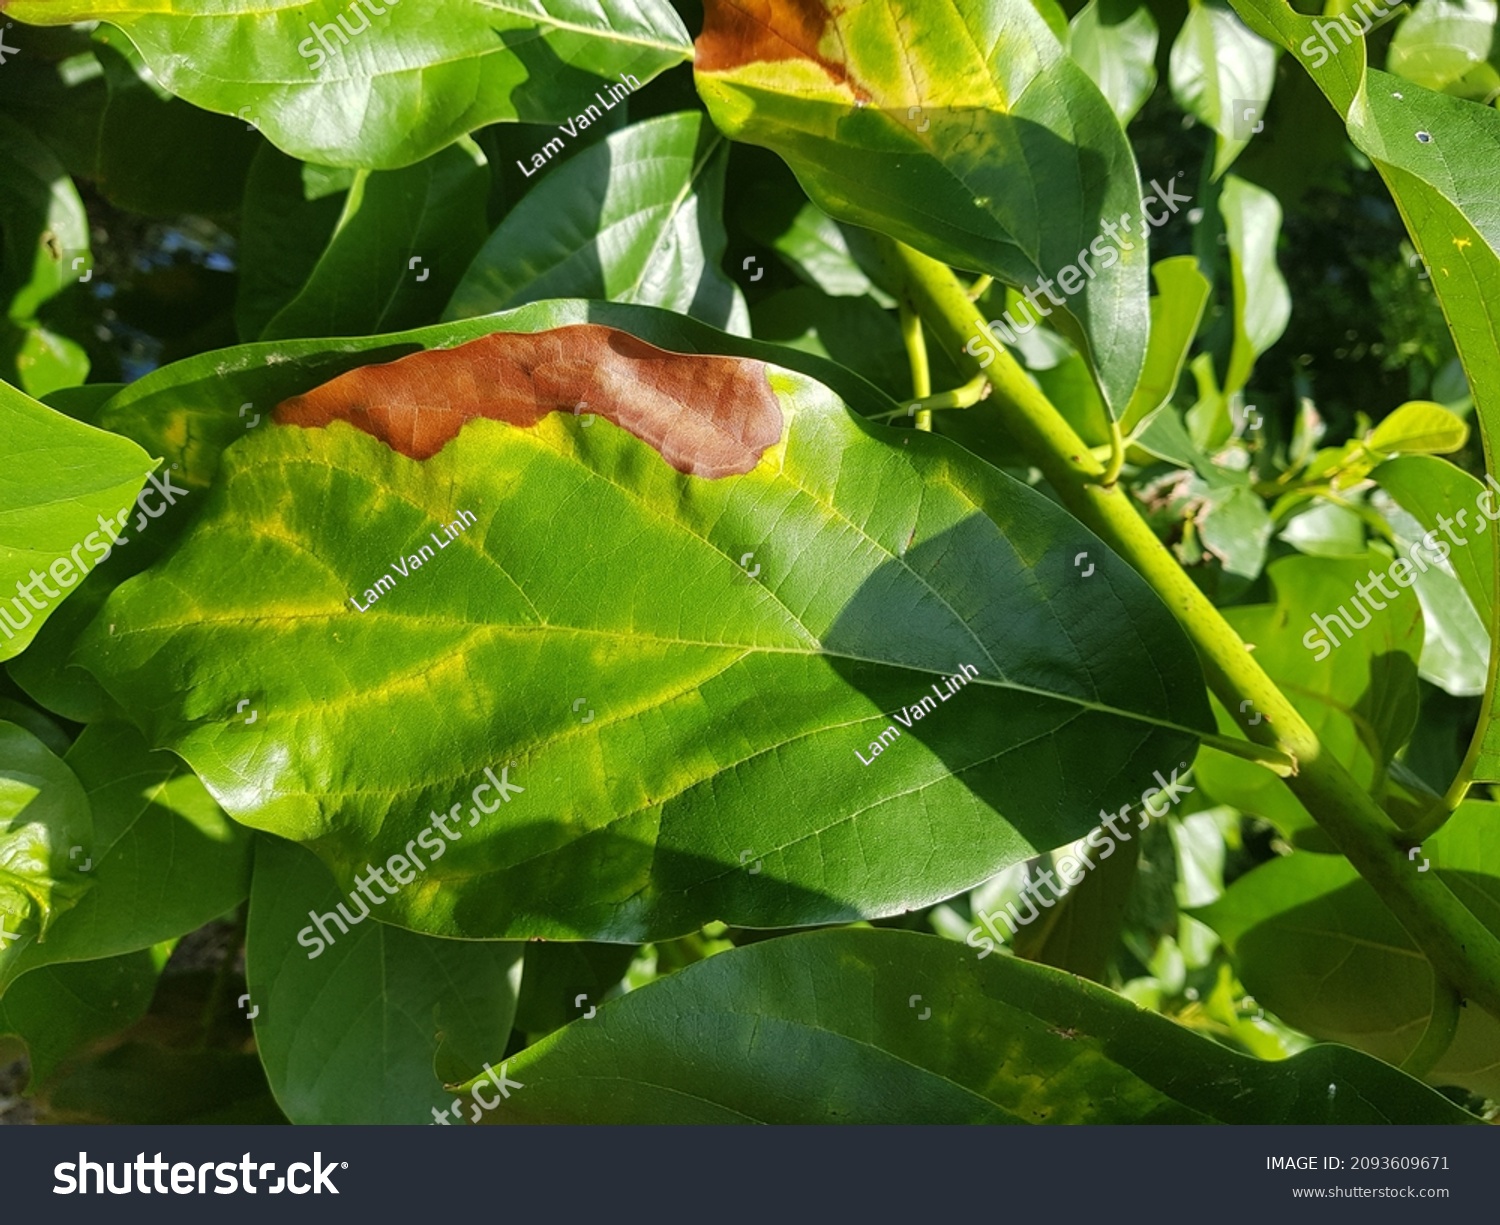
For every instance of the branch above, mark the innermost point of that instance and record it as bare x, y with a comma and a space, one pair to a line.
1461, 949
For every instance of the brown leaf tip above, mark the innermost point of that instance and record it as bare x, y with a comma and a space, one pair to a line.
706, 416
737, 32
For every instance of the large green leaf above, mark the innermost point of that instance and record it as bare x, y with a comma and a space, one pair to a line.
929, 123
1437, 156
382, 87
191, 409
1316, 946
400, 246
44, 814
634, 218
895, 1027
162, 859
63, 481
366, 1027
760, 597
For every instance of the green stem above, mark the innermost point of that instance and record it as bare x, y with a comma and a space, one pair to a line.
1116, 459
1462, 949
916, 352
970, 394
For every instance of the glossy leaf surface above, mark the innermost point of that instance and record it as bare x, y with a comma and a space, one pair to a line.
747, 537
351, 84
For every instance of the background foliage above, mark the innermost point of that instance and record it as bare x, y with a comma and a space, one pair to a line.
203, 747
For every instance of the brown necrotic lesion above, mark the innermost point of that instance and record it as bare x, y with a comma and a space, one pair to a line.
706, 416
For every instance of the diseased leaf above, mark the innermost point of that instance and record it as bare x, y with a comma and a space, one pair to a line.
370, 1024
635, 218
191, 410
746, 537
332, 82
896, 1027
924, 122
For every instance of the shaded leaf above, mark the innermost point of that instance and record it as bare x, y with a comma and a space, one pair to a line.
44, 812
1316, 945
825, 1028
402, 243
60, 1010
159, 154
635, 218
289, 215
366, 1027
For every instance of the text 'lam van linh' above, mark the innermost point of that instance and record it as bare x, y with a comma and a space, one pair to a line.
923, 707
404, 566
